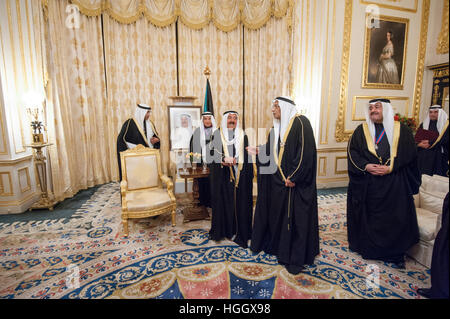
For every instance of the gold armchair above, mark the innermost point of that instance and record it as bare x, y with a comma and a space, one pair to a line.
141, 187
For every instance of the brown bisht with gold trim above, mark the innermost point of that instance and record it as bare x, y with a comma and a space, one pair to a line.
381, 217
286, 218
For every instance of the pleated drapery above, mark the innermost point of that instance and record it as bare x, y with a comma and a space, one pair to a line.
196, 14
267, 75
77, 116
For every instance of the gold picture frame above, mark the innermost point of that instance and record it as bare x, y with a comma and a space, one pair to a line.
393, 5
385, 47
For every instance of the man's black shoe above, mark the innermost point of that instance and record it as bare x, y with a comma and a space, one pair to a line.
399, 265
424, 292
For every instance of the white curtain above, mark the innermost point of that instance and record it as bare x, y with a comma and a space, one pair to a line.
222, 53
140, 68
76, 110
267, 74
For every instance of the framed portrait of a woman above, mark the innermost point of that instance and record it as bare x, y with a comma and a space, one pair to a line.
385, 52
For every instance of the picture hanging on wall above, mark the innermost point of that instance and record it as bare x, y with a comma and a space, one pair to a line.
385, 52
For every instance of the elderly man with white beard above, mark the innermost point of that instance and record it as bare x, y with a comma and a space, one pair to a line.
231, 176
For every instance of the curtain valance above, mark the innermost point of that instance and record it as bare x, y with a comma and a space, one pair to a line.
225, 14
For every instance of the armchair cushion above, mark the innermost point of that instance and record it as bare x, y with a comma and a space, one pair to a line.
431, 201
435, 184
136, 177
416, 200
147, 199
427, 221
428, 204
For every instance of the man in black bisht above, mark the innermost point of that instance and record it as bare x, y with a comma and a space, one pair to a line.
137, 130
199, 143
286, 215
383, 172
432, 142
231, 183
439, 261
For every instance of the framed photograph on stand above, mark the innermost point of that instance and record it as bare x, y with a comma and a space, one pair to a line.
183, 120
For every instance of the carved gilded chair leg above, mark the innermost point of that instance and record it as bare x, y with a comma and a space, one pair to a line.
125, 227
173, 218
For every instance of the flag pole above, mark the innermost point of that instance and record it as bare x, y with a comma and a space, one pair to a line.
207, 72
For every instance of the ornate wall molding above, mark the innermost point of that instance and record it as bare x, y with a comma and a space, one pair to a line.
6, 184
421, 58
393, 4
442, 47
340, 134
394, 101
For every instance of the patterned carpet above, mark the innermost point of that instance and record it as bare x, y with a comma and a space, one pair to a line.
83, 255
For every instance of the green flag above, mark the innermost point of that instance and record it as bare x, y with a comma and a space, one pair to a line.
208, 103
